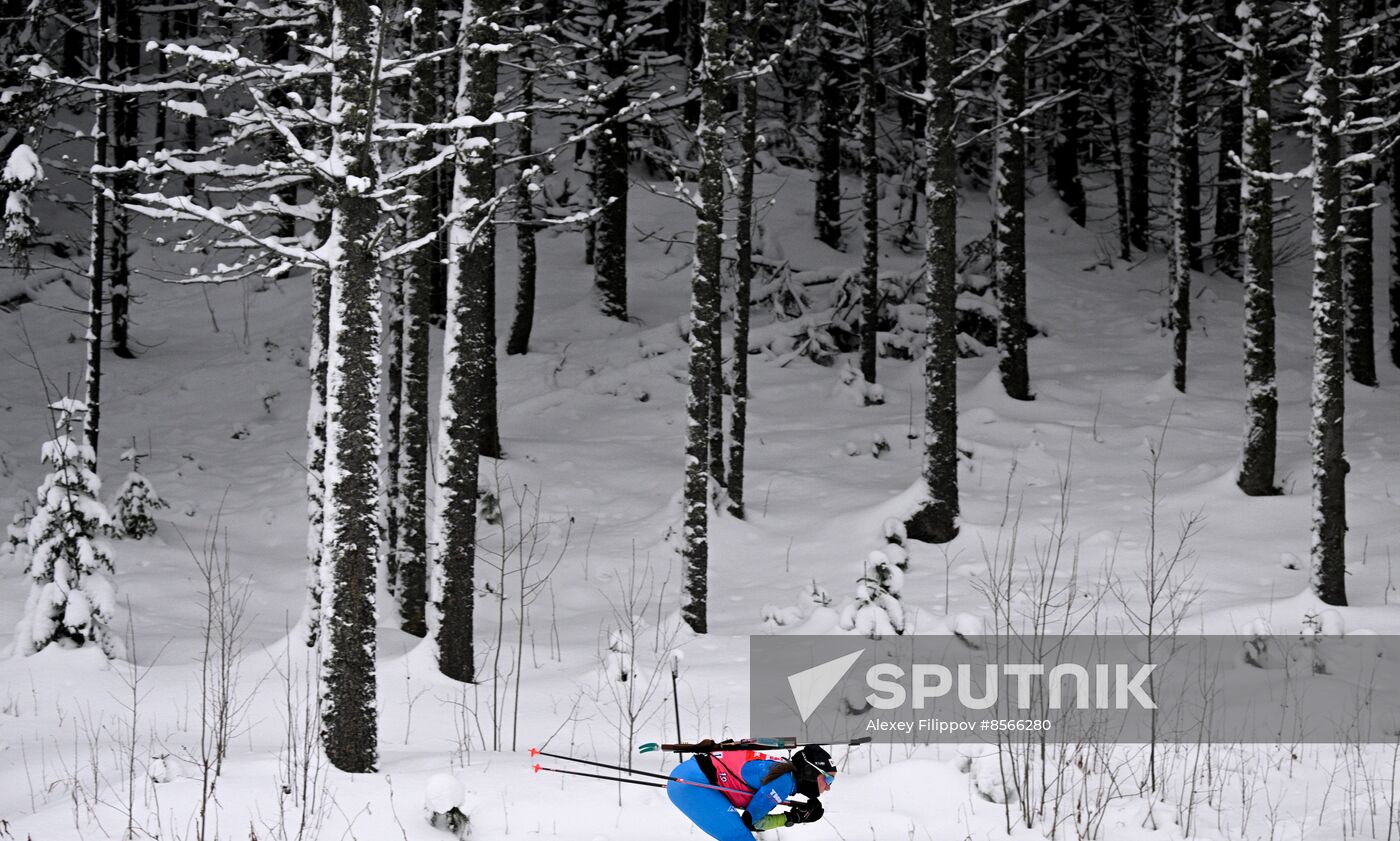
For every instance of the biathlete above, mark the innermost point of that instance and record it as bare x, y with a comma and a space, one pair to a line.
753, 786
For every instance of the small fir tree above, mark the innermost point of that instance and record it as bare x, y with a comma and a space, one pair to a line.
133, 510
877, 610
72, 599
20, 178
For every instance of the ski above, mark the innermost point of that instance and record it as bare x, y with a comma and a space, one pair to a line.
711, 746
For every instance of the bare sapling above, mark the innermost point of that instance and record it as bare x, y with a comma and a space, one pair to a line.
524, 557
1163, 594
636, 655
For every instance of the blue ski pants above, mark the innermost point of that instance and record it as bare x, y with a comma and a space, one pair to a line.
708, 809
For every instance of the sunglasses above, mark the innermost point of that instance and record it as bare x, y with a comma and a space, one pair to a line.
828, 779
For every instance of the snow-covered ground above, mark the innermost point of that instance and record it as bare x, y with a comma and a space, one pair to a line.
592, 424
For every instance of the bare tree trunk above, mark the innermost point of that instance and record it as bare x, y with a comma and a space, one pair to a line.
479, 262
348, 705
1329, 465
316, 366
188, 24
1140, 107
162, 114
1183, 130
1068, 146
704, 300
830, 109
72, 13
518, 341
1009, 195
936, 521
97, 267
743, 235
1120, 184
393, 434
1257, 206
1191, 140
464, 351
126, 114
1226, 247
870, 188
610, 175
1360, 226
1395, 248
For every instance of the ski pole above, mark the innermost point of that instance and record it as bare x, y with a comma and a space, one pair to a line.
625, 770
538, 768
676, 692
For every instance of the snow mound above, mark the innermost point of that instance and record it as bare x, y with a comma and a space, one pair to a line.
443, 793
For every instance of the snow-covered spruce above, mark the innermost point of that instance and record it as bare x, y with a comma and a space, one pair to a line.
133, 509
21, 177
72, 598
877, 610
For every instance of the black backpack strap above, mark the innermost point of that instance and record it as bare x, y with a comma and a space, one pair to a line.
707, 767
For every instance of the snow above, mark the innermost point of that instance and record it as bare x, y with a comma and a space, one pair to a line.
444, 793
22, 168
612, 463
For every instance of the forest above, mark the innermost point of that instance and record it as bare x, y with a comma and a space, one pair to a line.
388, 389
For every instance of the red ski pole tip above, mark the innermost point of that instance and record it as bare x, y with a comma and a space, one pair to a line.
534, 751
537, 767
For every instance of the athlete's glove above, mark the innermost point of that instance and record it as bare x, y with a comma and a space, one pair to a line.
804, 812
770, 821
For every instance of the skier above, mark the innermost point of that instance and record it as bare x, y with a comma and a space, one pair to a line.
754, 785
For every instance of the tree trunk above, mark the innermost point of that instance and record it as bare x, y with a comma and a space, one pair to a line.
936, 521
162, 114
1329, 465
393, 404
1257, 206
518, 341
188, 25
466, 347
1009, 196
350, 726
743, 236
317, 368
1140, 107
704, 299
479, 264
126, 114
1120, 184
1183, 130
72, 13
870, 188
830, 108
1191, 140
1360, 230
411, 552
610, 176
1395, 248
716, 410
97, 266
1068, 145
1226, 247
